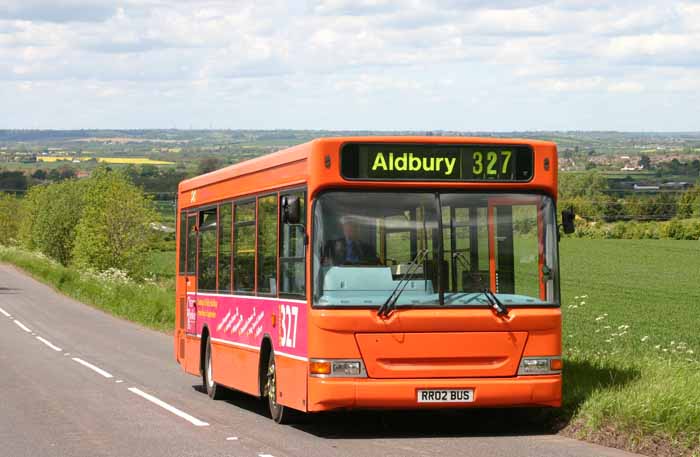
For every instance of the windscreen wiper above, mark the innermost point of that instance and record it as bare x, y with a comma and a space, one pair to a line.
390, 302
495, 303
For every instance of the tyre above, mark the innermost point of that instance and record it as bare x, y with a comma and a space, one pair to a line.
214, 391
279, 413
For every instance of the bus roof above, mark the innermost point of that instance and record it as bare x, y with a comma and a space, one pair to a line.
302, 151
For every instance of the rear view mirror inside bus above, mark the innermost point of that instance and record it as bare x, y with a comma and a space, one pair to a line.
291, 209
567, 220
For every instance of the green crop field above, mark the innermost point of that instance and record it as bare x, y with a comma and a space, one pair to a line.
652, 287
631, 342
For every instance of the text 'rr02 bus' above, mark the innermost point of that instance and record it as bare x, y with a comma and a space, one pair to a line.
375, 272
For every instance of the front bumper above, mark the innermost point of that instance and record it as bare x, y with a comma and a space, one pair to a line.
338, 393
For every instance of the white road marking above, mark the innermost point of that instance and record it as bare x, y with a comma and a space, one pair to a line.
49, 344
22, 326
5, 313
93, 367
191, 419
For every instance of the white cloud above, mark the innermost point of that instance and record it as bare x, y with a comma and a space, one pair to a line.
342, 52
625, 87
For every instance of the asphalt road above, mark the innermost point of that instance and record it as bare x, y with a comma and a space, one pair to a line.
75, 381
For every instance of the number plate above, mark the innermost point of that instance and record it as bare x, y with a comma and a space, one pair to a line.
445, 395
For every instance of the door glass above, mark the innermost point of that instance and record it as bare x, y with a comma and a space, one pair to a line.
206, 271
224, 273
292, 254
191, 245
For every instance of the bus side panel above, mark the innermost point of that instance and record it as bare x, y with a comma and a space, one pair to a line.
291, 382
192, 348
237, 326
236, 367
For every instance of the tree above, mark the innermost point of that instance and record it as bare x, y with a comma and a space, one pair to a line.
9, 225
67, 173
40, 174
13, 181
54, 175
689, 203
644, 162
114, 231
49, 216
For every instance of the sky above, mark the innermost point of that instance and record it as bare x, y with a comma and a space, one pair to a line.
469, 65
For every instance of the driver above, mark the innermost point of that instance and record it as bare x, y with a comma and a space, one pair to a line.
349, 249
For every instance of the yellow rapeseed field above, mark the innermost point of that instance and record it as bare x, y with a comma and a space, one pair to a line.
115, 160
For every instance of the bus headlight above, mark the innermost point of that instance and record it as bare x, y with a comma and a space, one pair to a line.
539, 365
337, 368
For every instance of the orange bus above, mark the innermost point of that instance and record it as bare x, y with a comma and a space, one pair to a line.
375, 272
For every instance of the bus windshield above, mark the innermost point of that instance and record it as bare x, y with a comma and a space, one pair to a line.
445, 249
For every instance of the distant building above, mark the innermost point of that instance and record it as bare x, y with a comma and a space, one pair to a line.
676, 185
645, 188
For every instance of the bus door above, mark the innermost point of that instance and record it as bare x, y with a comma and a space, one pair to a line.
516, 250
465, 243
191, 275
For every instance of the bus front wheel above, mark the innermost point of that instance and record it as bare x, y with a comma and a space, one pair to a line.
278, 412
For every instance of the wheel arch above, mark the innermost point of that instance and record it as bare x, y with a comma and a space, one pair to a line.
265, 350
203, 347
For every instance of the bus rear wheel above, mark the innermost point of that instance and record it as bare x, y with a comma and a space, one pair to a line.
279, 413
213, 389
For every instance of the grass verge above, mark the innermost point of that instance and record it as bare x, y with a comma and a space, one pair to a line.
150, 304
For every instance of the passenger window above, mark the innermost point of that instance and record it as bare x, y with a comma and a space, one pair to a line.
267, 245
206, 273
224, 273
244, 248
293, 253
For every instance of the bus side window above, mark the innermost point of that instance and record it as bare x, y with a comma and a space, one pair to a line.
292, 254
267, 244
244, 247
206, 273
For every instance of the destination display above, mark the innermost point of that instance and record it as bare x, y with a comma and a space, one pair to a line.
428, 162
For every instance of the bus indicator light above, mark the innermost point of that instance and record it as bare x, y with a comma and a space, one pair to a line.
555, 364
320, 368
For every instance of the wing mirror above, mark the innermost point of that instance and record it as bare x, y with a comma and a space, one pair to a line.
567, 220
291, 209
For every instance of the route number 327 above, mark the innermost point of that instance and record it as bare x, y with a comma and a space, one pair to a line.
489, 163
289, 315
